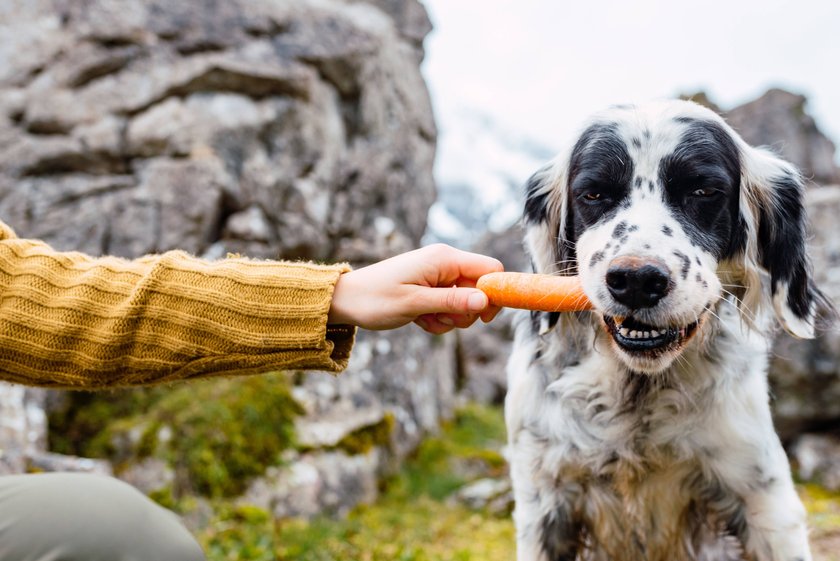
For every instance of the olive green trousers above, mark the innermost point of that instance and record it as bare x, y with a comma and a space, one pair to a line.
80, 517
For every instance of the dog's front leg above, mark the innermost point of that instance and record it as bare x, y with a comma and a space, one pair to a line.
546, 535
547, 517
770, 519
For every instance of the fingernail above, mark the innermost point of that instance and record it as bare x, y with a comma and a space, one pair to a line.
477, 301
445, 320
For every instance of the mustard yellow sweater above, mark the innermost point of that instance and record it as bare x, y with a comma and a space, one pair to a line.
73, 321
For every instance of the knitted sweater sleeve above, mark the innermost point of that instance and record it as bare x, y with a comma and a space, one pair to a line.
73, 321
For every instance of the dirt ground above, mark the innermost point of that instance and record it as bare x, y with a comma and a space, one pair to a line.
826, 547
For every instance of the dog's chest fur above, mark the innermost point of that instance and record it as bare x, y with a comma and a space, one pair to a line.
632, 450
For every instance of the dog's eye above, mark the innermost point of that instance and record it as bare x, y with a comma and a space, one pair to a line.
592, 196
704, 192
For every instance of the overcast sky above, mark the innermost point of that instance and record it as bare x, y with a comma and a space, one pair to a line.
538, 66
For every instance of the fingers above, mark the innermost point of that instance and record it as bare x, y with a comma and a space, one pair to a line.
458, 266
490, 313
443, 323
451, 300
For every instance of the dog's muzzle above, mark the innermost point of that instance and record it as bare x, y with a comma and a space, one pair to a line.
638, 284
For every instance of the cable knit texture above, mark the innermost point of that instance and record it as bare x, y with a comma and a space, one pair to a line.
69, 320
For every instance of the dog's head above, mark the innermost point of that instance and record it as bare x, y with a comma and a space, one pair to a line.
662, 210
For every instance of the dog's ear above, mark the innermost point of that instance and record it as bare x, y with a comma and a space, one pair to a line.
775, 191
548, 230
547, 224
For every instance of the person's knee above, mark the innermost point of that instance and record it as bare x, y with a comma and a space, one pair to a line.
149, 530
91, 517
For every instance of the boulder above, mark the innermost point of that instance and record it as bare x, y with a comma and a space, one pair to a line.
314, 112
805, 374
817, 459
23, 426
296, 129
329, 483
780, 119
483, 350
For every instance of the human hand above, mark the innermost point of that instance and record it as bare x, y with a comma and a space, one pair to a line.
433, 287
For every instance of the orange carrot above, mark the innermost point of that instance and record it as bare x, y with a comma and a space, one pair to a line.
547, 293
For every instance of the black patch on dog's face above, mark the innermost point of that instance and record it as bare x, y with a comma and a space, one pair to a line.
600, 176
686, 263
702, 179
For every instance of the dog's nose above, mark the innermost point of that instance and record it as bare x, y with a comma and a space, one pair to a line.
638, 283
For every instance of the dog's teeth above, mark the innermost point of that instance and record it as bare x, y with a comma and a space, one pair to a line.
646, 335
634, 334
624, 331
654, 333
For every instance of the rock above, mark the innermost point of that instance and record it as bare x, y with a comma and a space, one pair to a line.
250, 224
818, 459
484, 348
31, 36
175, 127
189, 196
369, 393
496, 495
295, 129
329, 429
779, 119
23, 426
327, 483
805, 374
149, 475
317, 111
45, 461
103, 139
410, 16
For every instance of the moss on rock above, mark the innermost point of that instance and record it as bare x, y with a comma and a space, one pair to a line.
216, 434
364, 439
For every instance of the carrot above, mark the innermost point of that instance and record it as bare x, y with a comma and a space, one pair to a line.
547, 293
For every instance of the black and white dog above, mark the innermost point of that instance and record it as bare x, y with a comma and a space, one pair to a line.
641, 431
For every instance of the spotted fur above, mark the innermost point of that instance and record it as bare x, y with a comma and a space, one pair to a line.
667, 453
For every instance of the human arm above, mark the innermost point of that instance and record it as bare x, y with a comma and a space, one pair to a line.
70, 320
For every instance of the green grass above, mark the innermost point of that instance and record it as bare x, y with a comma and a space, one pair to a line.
412, 521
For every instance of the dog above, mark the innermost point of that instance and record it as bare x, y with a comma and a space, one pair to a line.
641, 431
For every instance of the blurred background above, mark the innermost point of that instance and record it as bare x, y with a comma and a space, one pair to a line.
354, 130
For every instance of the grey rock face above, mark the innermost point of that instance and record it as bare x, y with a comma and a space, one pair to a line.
271, 128
23, 426
779, 119
313, 113
818, 459
330, 483
805, 374
484, 348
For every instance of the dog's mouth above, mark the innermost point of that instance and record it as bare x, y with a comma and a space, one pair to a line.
635, 337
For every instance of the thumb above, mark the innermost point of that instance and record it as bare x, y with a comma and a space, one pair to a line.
453, 300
